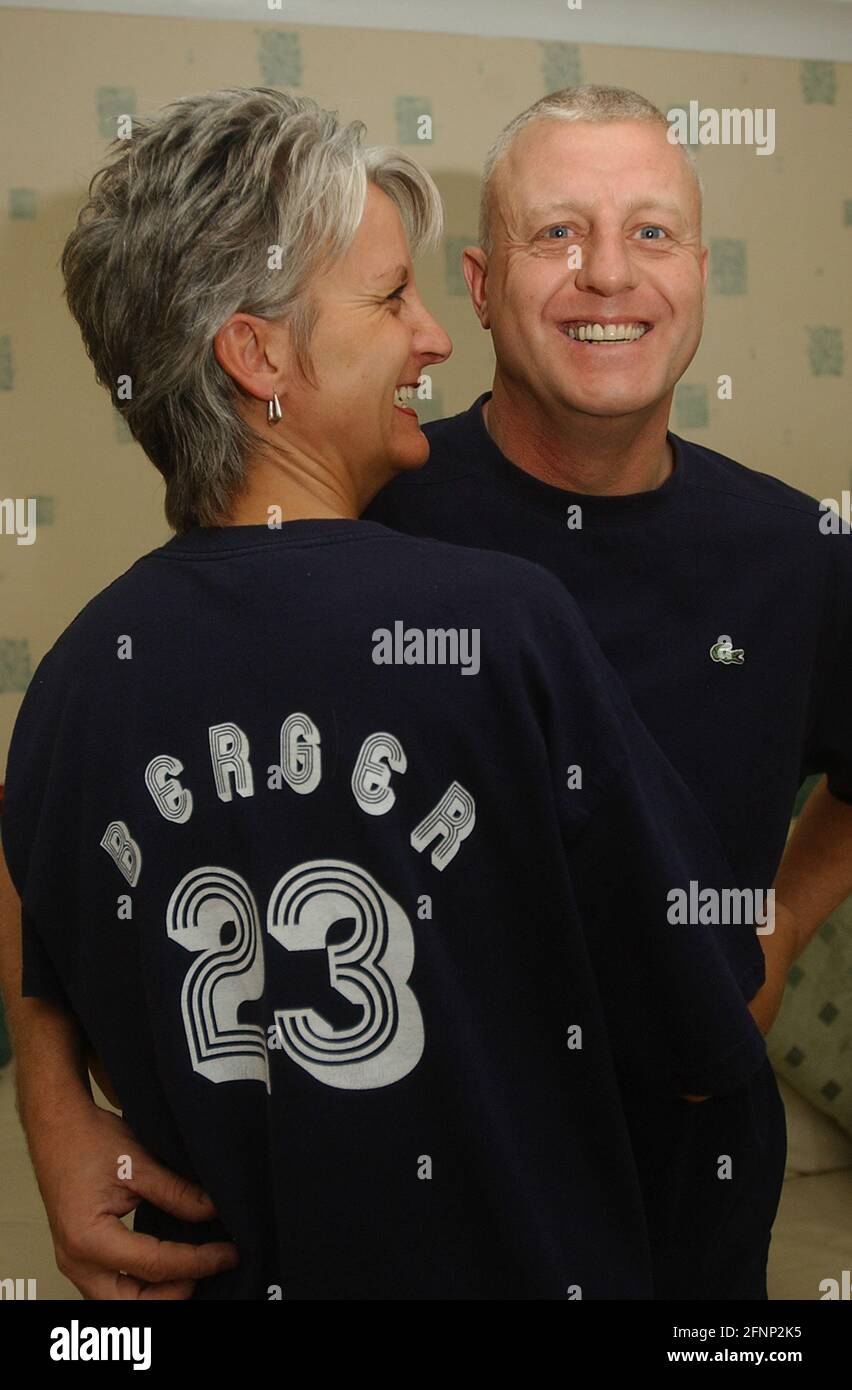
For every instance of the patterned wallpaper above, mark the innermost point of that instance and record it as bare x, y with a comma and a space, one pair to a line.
778, 227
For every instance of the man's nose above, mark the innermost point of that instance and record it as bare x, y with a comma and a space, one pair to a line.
606, 266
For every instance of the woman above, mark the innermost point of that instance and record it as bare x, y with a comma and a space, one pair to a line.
338, 922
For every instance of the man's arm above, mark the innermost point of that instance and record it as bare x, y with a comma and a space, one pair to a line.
74, 1146
814, 877
46, 1041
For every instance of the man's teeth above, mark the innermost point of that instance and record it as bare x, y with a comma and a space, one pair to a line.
607, 332
403, 395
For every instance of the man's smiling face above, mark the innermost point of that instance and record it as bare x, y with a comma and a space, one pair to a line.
625, 197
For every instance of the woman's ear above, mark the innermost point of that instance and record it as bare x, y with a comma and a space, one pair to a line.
256, 353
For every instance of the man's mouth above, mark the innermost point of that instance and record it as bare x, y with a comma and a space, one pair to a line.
402, 398
596, 331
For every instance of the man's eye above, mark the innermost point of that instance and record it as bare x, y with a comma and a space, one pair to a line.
397, 295
559, 233
644, 230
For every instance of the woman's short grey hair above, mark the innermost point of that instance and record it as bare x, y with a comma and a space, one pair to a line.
229, 201
596, 104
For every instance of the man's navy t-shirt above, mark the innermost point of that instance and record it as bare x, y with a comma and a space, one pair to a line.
296, 821
726, 610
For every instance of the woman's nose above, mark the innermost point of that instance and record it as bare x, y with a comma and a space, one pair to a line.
432, 341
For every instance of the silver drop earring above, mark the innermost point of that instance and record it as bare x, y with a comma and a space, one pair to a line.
273, 412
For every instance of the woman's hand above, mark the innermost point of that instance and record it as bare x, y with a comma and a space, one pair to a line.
77, 1164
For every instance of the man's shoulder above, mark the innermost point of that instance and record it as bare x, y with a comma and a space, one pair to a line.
780, 502
452, 454
447, 434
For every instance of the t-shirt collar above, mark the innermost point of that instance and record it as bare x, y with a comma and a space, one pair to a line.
548, 497
200, 540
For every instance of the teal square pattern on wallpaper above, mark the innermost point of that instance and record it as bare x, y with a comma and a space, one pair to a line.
810, 1044
110, 104
454, 280
728, 266
45, 511
692, 411
411, 129
819, 81
280, 59
22, 204
7, 370
432, 409
15, 669
122, 429
825, 351
560, 64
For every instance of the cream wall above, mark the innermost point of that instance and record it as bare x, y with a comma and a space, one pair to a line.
779, 229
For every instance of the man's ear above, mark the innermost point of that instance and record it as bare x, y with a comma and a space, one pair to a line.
475, 270
255, 352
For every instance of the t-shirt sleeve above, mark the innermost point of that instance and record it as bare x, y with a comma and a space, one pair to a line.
39, 977
830, 744
27, 773
675, 1014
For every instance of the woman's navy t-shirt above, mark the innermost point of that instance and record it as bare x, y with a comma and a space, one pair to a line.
353, 859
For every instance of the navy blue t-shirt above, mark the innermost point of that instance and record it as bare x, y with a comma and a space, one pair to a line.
723, 600
354, 861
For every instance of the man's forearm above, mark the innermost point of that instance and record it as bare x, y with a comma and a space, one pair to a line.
815, 874
814, 877
51, 1071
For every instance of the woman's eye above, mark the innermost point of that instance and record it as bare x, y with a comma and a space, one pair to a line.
643, 231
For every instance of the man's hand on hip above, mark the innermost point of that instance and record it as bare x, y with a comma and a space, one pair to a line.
77, 1165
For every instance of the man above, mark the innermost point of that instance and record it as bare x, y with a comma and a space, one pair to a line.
724, 609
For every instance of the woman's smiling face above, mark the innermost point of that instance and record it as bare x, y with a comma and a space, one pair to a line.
373, 334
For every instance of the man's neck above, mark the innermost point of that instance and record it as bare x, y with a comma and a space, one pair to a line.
581, 453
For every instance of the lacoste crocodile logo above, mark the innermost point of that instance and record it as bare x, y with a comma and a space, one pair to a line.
723, 650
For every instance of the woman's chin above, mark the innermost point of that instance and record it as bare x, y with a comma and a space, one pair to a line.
410, 453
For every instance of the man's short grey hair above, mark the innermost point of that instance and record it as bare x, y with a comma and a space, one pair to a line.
596, 104
181, 230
